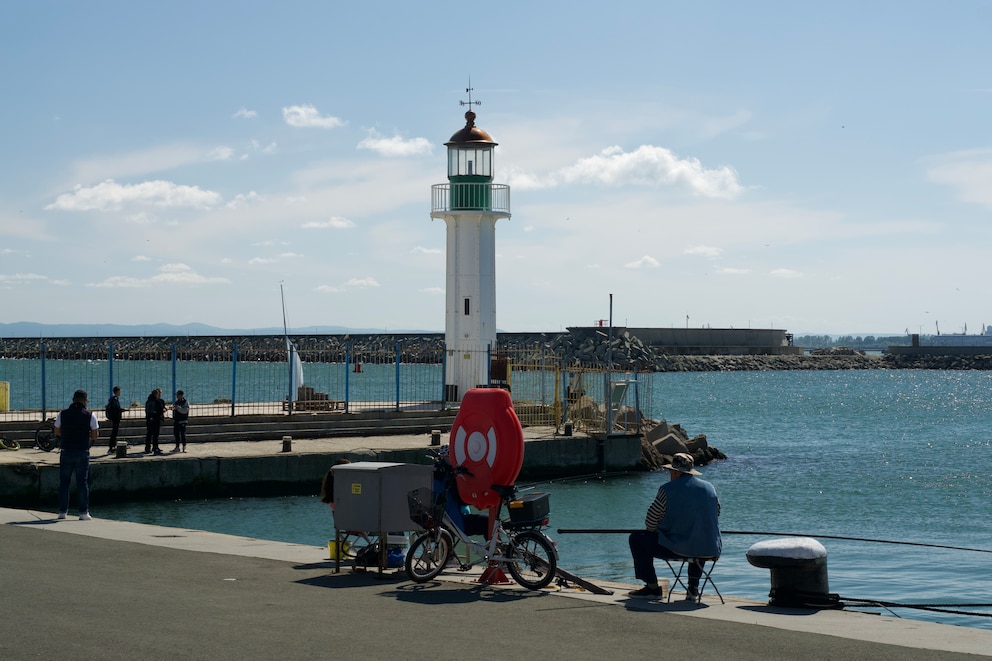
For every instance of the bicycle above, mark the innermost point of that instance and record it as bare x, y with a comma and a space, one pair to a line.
9, 444
520, 546
44, 436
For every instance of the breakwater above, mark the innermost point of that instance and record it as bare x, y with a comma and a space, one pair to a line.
626, 352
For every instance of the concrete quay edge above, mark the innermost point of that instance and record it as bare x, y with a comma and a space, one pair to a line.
851, 626
30, 476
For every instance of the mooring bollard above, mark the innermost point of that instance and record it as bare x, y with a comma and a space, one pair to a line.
121, 449
568, 429
798, 567
287, 443
435, 437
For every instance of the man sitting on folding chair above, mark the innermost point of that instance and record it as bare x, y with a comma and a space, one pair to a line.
681, 524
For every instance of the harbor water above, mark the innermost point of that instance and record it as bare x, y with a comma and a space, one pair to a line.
892, 455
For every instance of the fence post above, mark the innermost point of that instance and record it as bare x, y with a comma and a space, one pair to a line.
174, 388
347, 371
444, 372
397, 376
110, 367
489, 366
564, 389
44, 407
234, 376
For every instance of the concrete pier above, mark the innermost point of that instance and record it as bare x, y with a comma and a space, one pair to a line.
29, 477
115, 590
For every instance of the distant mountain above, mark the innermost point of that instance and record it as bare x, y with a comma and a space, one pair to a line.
32, 329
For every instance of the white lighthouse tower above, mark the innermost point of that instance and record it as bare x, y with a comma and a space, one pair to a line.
470, 204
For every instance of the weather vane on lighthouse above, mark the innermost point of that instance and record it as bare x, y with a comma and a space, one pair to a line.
470, 102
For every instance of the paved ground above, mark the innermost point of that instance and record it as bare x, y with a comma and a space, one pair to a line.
114, 590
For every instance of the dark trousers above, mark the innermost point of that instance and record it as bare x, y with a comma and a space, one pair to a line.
644, 548
179, 433
152, 428
74, 462
113, 433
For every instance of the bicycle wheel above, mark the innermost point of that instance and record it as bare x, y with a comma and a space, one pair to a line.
533, 560
428, 555
45, 437
9, 444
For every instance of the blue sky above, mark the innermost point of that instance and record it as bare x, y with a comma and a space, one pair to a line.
823, 168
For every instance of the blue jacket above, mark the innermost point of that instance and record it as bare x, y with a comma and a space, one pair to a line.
691, 525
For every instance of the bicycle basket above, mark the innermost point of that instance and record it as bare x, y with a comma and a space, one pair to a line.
426, 507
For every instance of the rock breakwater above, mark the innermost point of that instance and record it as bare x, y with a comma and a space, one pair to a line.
626, 352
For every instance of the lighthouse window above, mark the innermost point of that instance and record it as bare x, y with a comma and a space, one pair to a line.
467, 308
470, 168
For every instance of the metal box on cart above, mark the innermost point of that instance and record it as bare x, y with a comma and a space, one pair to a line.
371, 496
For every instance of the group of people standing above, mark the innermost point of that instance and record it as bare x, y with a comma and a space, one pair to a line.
77, 430
155, 409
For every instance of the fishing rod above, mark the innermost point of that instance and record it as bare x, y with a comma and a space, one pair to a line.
627, 531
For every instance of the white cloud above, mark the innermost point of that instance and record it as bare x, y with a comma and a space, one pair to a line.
434, 291
242, 199
244, 113
220, 154
109, 195
732, 271
362, 282
426, 251
785, 273
395, 146
353, 283
21, 278
261, 260
704, 251
140, 258
307, 116
169, 274
334, 222
644, 262
648, 165
968, 172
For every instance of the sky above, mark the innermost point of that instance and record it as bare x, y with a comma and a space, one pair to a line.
814, 167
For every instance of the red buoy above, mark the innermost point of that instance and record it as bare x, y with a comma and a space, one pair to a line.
488, 441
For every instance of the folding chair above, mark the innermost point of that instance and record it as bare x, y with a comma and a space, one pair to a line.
705, 578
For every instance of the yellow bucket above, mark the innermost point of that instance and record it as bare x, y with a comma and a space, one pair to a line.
336, 550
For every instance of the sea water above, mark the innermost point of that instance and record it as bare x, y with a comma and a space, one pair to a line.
900, 456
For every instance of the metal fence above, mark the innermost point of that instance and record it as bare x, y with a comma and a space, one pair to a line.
224, 381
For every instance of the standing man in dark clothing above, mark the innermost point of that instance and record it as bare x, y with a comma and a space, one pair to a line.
77, 429
154, 414
114, 413
180, 416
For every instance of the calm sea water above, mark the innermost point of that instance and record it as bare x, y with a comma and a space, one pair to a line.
889, 455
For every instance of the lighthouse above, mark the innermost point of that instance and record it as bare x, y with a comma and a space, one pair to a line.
470, 204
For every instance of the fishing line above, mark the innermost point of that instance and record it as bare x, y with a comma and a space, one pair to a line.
627, 531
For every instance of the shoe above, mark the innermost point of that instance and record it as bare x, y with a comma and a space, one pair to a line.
157, 452
184, 448
111, 450
692, 595
646, 592
62, 515
175, 449
85, 516
148, 450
